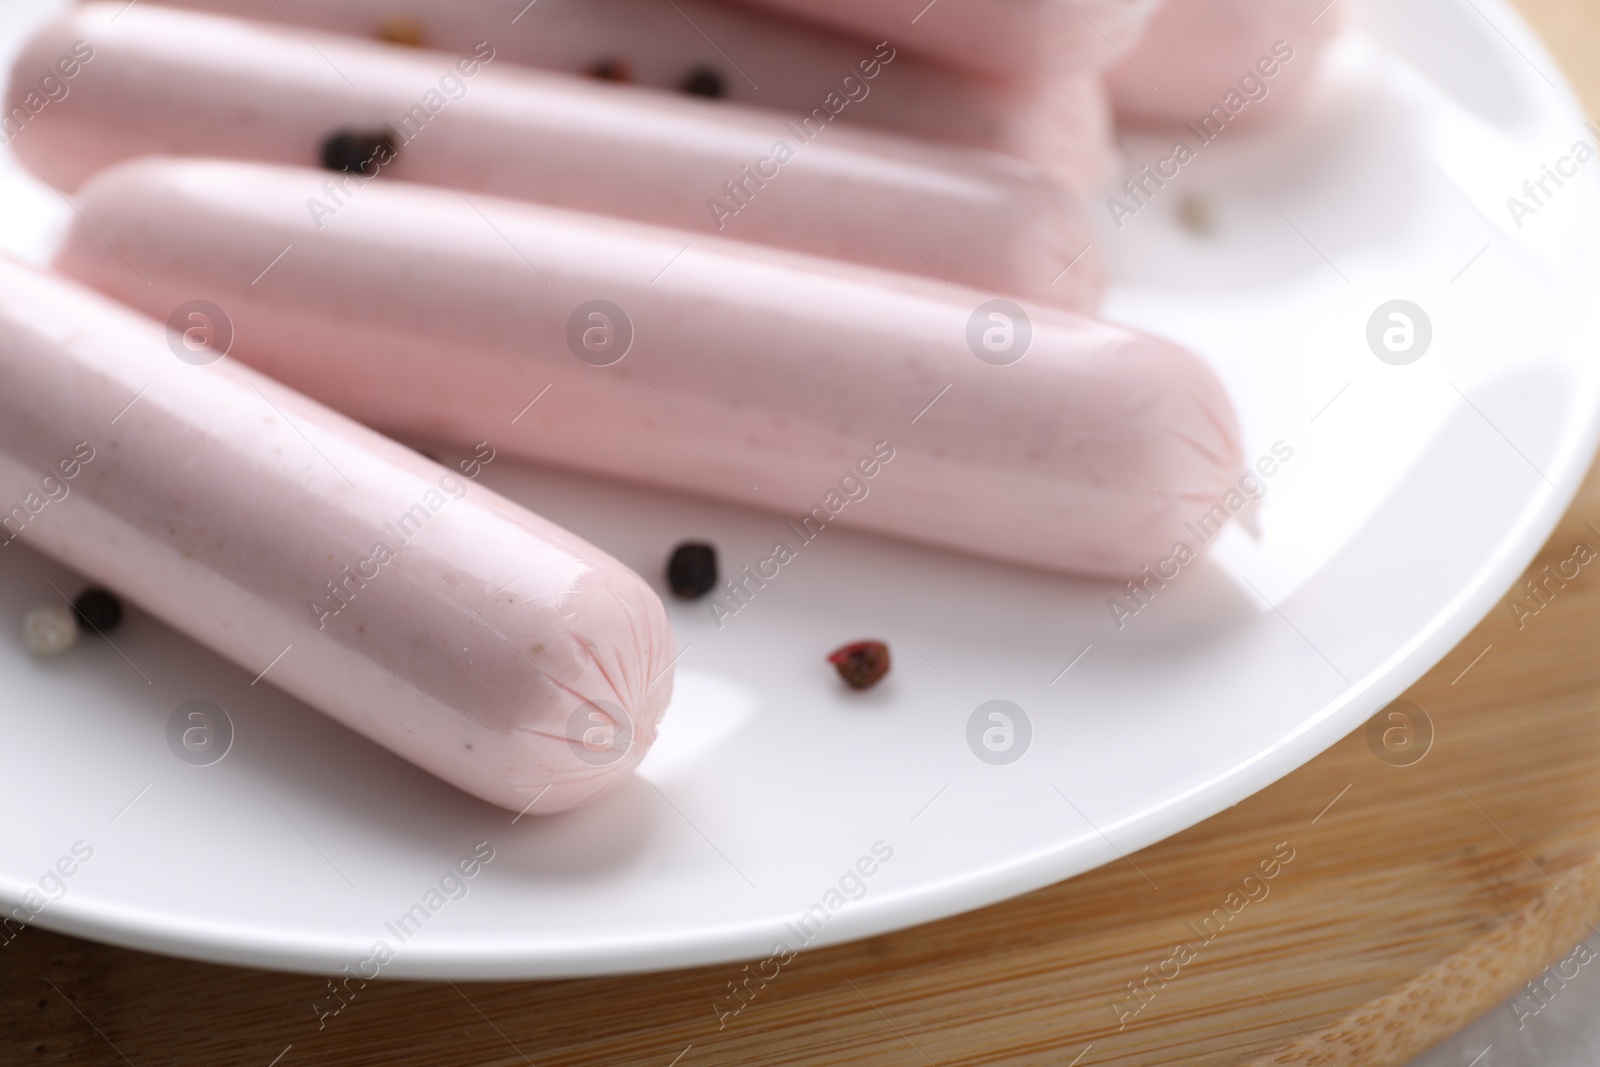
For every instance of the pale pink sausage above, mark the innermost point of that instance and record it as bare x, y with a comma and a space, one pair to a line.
475, 642
1012, 40
172, 82
756, 57
743, 373
1231, 61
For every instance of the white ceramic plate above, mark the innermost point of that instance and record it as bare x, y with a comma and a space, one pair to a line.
1414, 495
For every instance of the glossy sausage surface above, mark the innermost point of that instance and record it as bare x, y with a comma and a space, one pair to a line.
1218, 63
1027, 434
163, 81
761, 58
1009, 40
423, 610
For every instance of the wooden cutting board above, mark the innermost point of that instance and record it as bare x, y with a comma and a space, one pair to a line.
1405, 898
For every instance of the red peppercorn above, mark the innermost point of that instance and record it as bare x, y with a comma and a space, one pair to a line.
402, 30
861, 664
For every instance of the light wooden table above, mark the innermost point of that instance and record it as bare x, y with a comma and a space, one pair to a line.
1418, 897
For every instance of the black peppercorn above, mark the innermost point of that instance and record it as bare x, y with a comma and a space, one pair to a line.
98, 610
703, 81
692, 571
357, 152
611, 70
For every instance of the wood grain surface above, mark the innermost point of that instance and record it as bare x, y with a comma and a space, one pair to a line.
1404, 901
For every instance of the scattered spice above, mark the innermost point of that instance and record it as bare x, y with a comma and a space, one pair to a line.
703, 81
1196, 215
862, 664
611, 69
402, 30
356, 151
692, 570
49, 629
98, 610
